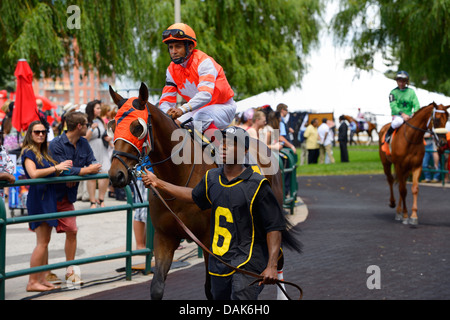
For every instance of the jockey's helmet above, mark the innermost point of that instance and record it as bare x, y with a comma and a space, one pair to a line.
402, 75
179, 32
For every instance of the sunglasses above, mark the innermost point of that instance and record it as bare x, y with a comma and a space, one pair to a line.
175, 33
39, 132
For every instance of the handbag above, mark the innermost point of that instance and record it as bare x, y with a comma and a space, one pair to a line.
105, 143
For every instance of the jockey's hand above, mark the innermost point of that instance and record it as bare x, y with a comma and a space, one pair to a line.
149, 178
175, 113
405, 117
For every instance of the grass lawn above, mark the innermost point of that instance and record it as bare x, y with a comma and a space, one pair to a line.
363, 160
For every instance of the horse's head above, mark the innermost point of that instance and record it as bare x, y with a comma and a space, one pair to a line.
130, 131
440, 119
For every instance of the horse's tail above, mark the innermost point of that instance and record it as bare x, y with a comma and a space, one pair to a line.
290, 237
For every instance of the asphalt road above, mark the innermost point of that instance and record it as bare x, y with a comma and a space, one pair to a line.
353, 248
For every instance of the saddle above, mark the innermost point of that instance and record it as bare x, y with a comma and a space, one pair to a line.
386, 147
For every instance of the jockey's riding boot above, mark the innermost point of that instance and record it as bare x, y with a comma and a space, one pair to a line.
387, 138
212, 132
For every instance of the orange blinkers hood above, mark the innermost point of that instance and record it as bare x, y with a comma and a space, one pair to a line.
124, 117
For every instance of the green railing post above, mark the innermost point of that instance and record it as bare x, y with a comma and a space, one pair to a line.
129, 233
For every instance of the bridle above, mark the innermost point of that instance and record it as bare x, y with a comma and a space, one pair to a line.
431, 131
146, 149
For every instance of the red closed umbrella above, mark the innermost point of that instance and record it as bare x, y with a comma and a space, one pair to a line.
25, 110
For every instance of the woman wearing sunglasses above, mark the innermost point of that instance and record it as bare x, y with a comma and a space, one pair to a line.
41, 198
199, 79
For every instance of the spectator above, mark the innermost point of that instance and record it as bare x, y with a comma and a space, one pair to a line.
301, 138
41, 198
352, 132
43, 115
430, 154
447, 157
12, 140
259, 122
6, 168
140, 214
326, 140
246, 119
99, 142
284, 129
312, 141
343, 139
272, 131
72, 146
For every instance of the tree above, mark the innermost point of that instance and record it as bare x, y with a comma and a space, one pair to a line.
261, 44
413, 34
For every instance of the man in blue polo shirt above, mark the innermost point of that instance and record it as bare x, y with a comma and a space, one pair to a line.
72, 146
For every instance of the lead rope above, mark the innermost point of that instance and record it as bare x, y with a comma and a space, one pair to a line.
199, 243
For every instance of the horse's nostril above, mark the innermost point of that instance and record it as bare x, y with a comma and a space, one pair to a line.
119, 180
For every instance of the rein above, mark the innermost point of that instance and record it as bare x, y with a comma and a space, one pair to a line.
200, 244
430, 131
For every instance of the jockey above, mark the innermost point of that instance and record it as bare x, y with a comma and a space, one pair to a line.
199, 80
403, 101
361, 119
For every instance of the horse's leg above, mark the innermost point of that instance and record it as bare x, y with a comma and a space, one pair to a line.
387, 167
164, 250
402, 201
369, 137
415, 191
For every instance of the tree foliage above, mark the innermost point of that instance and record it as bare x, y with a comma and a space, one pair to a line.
413, 34
261, 44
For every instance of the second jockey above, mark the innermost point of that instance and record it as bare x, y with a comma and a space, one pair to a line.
403, 102
199, 79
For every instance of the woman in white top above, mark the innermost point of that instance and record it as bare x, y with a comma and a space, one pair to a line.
95, 136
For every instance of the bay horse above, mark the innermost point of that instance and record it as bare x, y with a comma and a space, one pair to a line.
407, 154
371, 126
168, 233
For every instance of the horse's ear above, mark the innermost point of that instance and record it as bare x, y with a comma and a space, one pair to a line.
143, 94
114, 95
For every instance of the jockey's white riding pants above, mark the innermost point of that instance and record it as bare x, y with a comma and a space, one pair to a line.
221, 114
397, 121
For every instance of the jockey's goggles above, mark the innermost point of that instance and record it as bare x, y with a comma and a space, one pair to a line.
176, 34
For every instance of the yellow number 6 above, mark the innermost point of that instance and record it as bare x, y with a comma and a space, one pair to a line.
221, 231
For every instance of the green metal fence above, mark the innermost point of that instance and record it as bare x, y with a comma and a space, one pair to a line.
127, 254
288, 164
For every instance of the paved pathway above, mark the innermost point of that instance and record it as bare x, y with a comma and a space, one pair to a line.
349, 228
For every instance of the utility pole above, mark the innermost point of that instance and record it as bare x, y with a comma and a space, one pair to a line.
177, 11
177, 6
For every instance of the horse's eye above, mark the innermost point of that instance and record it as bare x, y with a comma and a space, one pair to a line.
138, 128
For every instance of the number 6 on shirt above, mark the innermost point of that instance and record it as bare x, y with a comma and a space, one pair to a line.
221, 231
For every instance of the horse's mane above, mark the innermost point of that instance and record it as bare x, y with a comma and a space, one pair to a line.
419, 112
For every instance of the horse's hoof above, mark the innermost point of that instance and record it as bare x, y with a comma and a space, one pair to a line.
392, 204
413, 221
405, 220
398, 217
